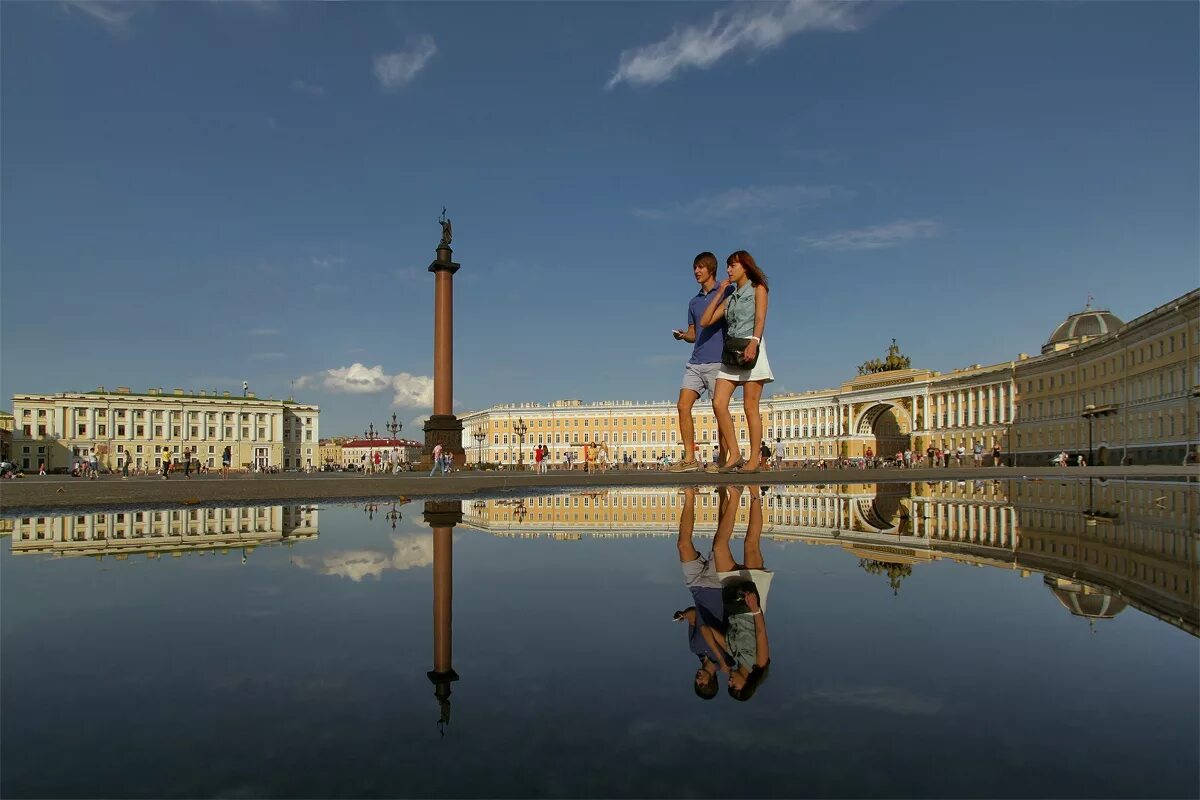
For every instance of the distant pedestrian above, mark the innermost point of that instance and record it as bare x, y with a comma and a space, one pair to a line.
226, 460
978, 453
187, 463
929, 454
41, 468
996, 455
438, 464
166, 463
94, 464
960, 456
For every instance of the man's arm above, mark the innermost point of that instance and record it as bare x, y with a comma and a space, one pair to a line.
718, 647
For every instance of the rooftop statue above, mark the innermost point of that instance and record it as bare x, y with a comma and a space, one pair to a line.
894, 361
447, 230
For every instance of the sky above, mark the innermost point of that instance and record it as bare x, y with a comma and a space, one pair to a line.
197, 194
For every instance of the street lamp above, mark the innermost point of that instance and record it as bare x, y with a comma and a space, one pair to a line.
479, 436
395, 426
520, 429
1090, 412
370, 434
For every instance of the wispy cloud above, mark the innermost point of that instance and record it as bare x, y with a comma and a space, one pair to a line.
264, 332
880, 698
408, 391
331, 262
267, 356
304, 87
749, 28
395, 70
116, 17
740, 202
892, 234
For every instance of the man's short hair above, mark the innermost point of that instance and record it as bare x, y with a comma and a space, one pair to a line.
709, 690
706, 260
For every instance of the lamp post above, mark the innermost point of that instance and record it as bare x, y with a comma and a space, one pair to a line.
370, 435
520, 429
479, 436
1090, 412
394, 427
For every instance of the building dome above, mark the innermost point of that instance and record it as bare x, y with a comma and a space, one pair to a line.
1081, 326
1083, 601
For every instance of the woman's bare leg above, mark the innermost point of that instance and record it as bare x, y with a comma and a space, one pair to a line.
751, 394
721, 396
730, 500
753, 543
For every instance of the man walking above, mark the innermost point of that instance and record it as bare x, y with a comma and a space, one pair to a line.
700, 374
438, 465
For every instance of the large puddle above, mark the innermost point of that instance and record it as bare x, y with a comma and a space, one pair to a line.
948, 639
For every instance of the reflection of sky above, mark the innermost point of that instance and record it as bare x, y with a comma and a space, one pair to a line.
203, 676
408, 551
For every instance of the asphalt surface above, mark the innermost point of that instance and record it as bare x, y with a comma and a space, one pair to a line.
24, 496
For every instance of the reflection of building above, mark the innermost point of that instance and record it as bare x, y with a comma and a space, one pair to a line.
1149, 369
1101, 546
1136, 384
174, 531
58, 428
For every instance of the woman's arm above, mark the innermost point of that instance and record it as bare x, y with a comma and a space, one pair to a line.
760, 321
716, 307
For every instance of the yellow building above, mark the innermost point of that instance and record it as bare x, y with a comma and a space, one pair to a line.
6, 436
1141, 379
884, 413
121, 426
329, 451
1132, 388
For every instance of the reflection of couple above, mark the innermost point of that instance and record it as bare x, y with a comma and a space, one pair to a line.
727, 628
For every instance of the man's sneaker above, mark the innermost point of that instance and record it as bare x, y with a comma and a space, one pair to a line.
713, 468
685, 466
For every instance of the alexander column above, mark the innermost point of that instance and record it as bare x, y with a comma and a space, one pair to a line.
443, 427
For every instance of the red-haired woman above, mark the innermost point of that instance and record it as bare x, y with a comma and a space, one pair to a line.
745, 314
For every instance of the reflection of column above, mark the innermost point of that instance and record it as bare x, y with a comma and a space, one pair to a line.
442, 517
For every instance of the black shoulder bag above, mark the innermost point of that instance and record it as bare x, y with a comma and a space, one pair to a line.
731, 356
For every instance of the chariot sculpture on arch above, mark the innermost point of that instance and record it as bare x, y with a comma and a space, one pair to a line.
447, 229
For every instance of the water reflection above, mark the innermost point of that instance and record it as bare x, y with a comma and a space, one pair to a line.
155, 532
1102, 545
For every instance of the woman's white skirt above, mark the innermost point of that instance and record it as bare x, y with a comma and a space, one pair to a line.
760, 372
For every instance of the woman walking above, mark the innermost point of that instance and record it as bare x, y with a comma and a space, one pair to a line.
744, 362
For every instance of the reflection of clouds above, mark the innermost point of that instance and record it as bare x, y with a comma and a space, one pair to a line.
880, 698
408, 551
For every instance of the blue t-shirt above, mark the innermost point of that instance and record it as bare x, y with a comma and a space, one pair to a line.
710, 611
710, 341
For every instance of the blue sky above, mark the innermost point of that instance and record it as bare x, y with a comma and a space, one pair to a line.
194, 194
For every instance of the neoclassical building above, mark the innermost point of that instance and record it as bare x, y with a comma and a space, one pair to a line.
1142, 377
121, 425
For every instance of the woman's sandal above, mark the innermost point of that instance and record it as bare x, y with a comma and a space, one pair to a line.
734, 467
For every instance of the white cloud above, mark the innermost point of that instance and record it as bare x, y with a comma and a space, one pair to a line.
893, 234
304, 87
748, 200
408, 391
396, 70
749, 28
408, 552
114, 16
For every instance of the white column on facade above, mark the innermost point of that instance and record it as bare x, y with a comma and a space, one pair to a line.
991, 404
1012, 405
992, 525
971, 406
925, 412
959, 417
